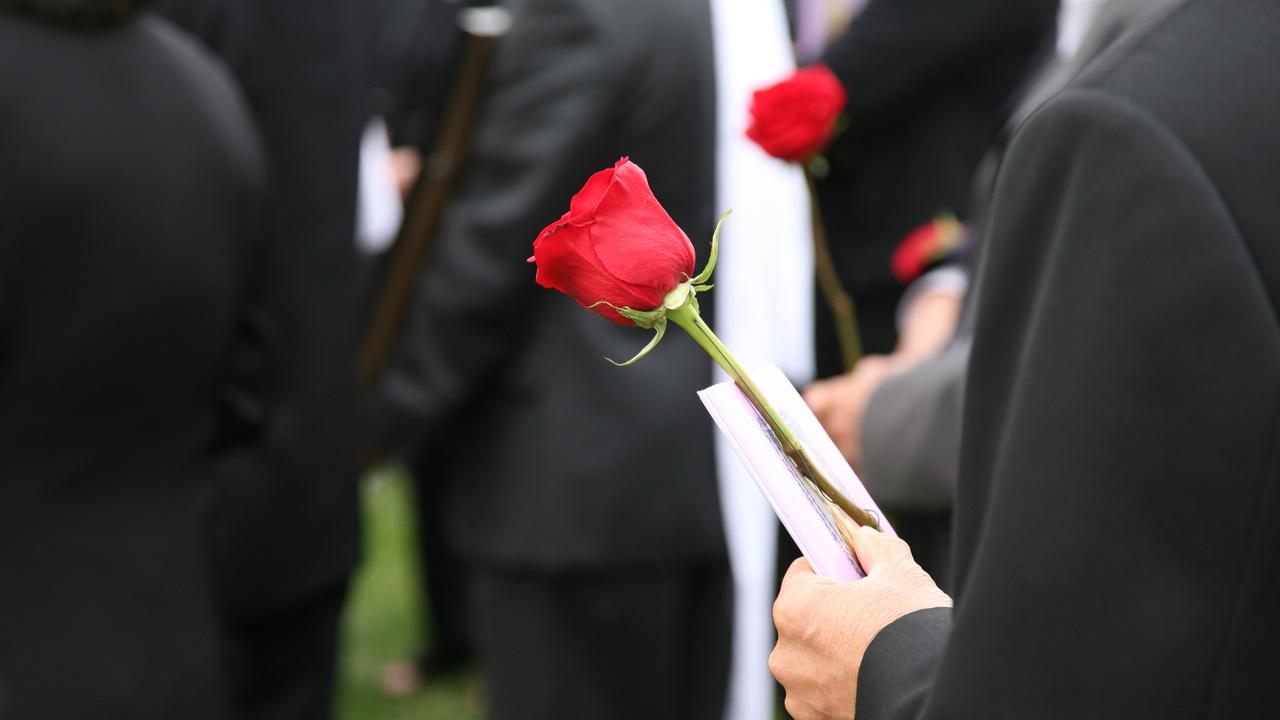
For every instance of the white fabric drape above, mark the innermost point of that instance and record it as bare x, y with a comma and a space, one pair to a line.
763, 312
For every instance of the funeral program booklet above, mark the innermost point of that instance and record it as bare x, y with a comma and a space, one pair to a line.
807, 515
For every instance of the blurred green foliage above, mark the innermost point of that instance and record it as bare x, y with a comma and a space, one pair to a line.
383, 621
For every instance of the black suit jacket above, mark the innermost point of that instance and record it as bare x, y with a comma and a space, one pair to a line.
286, 527
929, 82
1117, 519
416, 58
551, 457
129, 194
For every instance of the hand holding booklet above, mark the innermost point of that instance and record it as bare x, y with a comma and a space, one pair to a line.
811, 519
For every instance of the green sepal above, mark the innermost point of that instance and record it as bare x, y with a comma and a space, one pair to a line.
710, 267
659, 329
646, 319
703, 288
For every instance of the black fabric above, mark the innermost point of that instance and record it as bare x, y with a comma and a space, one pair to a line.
129, 196
605, 645
443, 576
547, 455
417, 53
286, 524
1120, 477
283, 665
929, 84
906, 659
79, 12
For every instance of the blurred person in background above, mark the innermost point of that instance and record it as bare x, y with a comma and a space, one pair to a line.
930, 83
285, 526
417, 55
897, 416
132, 357
582, 497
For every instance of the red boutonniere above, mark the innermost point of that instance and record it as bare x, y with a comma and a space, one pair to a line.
926, 246
618, 253
795, 119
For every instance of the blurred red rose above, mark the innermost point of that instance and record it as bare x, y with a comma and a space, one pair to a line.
616, 244
925, 246
794, 119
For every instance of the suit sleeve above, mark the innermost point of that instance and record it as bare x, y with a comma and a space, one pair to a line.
911, 434
535, 144
1121, 418
895, 49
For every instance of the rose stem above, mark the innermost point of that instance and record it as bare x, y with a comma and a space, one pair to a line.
844, 314
687, 317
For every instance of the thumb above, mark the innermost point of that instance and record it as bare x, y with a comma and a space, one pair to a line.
875, 548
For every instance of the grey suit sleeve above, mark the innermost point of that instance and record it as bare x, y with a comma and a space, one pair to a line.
911, 433
536, 142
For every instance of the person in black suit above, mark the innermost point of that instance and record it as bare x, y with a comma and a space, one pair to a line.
930, 83
132, 360
285, 533
897, 417
1120, 475
420, 46
583, 497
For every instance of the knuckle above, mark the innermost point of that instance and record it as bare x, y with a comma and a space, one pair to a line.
901, 547
777, 667
783, 615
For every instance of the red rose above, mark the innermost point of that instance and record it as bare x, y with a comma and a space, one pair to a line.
794, 119
924, 246
616, 245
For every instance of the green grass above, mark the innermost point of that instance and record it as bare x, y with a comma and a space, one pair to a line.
383, 621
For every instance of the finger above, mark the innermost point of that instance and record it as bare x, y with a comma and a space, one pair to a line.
875, 548
798, 586
799, 572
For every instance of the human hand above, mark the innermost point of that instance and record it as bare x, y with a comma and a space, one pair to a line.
824, 627
840, 402
406, 166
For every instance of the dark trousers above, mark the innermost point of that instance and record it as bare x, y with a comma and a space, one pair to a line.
644, 644
444, 579
282, 664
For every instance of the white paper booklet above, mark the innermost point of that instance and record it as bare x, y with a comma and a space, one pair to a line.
802, 511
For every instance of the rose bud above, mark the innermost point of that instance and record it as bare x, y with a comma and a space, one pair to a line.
925, 247
615, 248
794, 119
